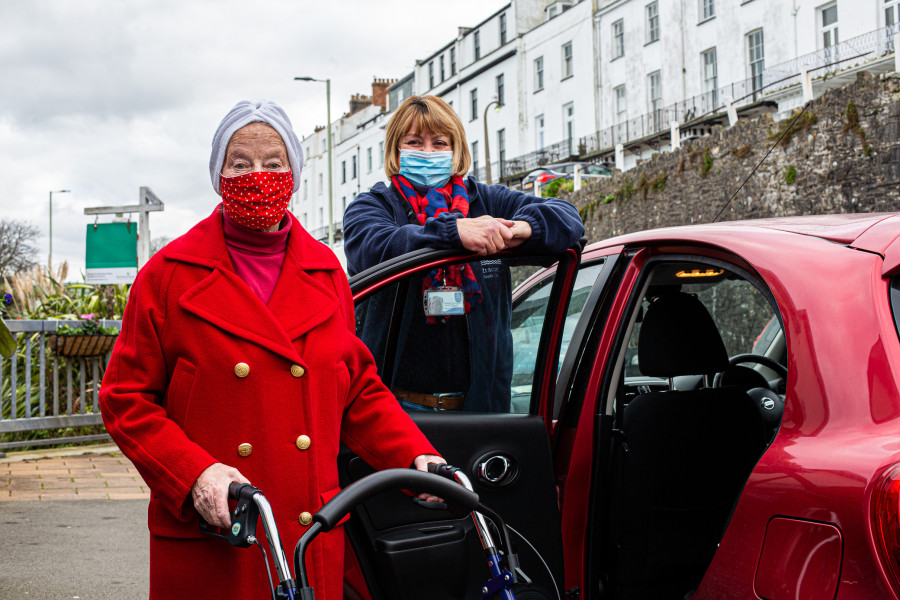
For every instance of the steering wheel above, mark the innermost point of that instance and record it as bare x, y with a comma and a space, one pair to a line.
749, 374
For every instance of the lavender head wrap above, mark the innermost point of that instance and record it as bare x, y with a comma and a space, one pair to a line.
256, 111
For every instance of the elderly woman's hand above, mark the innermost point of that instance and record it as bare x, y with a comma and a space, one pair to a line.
484, 235
210, 493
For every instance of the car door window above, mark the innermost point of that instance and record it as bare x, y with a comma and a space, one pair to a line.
438, 347
584, 283
528, 316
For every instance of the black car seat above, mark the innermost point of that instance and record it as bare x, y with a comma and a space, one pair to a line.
681, 459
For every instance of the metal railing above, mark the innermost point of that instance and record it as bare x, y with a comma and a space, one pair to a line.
41, 390
563, 151
849, 53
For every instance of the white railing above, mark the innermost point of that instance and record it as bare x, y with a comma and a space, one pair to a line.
40, 390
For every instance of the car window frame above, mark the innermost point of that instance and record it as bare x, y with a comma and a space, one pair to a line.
400, 268
588, 318
594, 374
636, 295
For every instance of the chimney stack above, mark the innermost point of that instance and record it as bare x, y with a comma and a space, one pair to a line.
359, 102
380, 90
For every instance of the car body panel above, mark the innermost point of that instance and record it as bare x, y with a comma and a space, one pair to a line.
576, 500
810, 496
839, 229
801, 559
848, 401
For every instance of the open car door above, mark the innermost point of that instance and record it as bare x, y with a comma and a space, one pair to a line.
497, 431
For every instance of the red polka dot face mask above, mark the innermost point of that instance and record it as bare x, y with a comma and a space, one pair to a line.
257, 200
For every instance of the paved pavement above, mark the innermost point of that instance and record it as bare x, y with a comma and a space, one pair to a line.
63, 536
60, 549
86, 473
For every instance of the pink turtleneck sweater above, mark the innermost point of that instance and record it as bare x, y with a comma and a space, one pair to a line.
257, 255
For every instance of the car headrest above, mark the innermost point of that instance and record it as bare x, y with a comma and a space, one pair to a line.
679, 337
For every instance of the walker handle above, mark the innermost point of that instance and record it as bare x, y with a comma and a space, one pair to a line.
363, 489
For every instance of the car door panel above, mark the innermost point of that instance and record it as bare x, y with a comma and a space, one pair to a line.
408, 551
402, 537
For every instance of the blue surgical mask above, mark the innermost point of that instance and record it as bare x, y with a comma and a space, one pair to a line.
426, 169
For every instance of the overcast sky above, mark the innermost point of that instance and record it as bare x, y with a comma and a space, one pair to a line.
102, 97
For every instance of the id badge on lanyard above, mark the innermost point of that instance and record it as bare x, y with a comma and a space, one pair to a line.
444, 301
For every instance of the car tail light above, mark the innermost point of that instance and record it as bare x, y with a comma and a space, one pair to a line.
886, 523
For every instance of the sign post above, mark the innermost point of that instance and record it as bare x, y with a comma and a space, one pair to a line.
148, 203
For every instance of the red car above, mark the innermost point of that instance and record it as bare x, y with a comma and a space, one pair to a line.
699, 412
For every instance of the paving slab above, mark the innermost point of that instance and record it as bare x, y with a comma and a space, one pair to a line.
87, 473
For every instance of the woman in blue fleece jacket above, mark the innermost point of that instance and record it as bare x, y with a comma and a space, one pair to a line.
446, 360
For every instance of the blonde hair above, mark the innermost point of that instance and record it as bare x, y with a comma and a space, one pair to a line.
417, 113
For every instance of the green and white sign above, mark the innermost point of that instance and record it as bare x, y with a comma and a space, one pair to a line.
111, 253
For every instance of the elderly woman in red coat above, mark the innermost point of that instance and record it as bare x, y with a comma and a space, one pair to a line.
237, 362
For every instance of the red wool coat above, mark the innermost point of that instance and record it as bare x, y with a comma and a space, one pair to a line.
204, 372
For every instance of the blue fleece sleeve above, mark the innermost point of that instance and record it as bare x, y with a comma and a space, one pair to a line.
372, 236
555, 224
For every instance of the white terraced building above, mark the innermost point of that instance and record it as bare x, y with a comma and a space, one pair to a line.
605, 81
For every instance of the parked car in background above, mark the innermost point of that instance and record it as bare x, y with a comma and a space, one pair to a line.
704, 412
566, 170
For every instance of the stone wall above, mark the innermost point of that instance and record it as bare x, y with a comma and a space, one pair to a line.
842, 155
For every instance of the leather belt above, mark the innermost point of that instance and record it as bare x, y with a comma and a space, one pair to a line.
450, 401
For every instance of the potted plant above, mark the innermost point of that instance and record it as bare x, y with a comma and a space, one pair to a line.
89, 339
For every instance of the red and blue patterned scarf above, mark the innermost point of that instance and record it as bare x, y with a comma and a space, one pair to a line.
453, 197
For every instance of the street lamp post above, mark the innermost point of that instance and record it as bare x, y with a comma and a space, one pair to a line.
487, 151
328, 132
50, 259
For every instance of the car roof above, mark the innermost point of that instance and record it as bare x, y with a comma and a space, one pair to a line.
873, 232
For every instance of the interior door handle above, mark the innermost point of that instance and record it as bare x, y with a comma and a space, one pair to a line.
495, 469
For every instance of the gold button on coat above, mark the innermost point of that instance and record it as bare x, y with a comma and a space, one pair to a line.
305, 518
303, 442
297, 371
242, 370
245, 449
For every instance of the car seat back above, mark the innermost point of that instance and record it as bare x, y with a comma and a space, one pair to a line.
682, 458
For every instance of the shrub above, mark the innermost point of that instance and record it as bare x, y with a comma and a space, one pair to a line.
707, 164
790, 175
556, 186
550, 189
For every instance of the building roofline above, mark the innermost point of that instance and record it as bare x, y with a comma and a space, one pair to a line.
471, 29
477, 72
402, 80
497, 12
